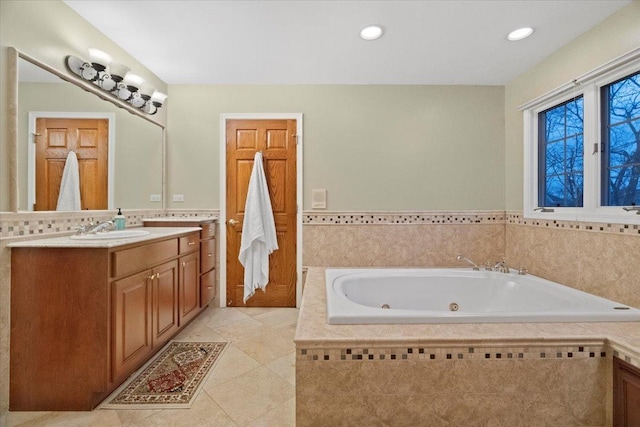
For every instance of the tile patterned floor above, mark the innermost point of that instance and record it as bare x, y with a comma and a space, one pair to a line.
252, 385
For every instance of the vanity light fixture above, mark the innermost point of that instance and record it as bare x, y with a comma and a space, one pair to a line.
519, 34
371, 32
118, 80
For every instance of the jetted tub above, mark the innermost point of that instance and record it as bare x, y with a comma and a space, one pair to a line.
439, 295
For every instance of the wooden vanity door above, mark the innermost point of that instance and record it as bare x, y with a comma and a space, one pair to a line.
132, 322
88, 138
277, 141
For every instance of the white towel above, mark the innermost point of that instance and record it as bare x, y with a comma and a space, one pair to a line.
69, 197
258, 232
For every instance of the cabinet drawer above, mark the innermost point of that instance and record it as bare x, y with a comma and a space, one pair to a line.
189, 243
207, 255
207, 287
208, 230
135, 259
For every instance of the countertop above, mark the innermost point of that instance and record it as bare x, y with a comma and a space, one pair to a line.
66, 242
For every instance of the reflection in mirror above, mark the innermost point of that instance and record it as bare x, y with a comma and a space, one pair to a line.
128, 173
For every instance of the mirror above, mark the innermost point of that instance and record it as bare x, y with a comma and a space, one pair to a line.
135, 154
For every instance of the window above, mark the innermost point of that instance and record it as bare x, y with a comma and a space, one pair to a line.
621, 142
582, 147
561, 154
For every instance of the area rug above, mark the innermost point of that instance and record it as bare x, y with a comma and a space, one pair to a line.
170, 380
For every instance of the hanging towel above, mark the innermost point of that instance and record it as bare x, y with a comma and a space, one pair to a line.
69, 197
258, 232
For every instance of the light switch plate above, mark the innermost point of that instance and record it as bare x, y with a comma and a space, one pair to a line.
319, 198
178, 198
155, 198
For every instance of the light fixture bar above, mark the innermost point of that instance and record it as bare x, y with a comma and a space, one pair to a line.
118, 80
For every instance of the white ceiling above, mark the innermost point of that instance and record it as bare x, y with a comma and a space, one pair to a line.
317, 42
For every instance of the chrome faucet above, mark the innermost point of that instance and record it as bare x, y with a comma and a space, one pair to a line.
463, 258
101, 227
501, 266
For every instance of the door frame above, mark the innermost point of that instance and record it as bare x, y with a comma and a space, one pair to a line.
223, 195
31, 154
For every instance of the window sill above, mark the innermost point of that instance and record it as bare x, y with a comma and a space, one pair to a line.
602, 215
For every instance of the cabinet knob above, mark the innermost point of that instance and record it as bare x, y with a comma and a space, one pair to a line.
191, 243
209, 255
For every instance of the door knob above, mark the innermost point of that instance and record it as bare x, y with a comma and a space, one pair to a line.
232, 222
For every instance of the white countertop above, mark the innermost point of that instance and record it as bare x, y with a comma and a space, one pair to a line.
66, 242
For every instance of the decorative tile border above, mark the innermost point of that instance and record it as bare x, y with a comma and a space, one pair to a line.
44, 223
517, 218
458, 217
403, 218
457, 353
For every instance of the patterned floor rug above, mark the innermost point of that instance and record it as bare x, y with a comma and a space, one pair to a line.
170, 380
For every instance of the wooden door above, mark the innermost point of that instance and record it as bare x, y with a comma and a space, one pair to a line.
88, 138
277, 141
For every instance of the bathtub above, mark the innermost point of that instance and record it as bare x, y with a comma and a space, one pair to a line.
439, 295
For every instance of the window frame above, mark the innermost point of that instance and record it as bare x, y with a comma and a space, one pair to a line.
589, 87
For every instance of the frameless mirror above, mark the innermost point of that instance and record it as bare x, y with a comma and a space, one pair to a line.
127, 172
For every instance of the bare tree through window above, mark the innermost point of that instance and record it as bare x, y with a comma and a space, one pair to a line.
561, 151
621, 142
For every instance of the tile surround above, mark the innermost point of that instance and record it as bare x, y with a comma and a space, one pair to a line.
596, 257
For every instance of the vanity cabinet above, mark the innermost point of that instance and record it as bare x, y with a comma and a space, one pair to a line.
626, 394
84, 319
207, 244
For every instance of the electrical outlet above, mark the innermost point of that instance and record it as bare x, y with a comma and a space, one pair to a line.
178, 198
155, 198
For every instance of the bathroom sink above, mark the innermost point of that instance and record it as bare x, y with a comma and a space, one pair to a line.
111, 235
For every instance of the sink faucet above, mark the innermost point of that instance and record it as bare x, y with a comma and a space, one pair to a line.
102, 226
463, 258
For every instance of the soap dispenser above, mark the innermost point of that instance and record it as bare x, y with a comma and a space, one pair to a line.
119, 220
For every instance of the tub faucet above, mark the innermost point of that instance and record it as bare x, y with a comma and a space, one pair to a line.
463, 258
501, 266
102, 226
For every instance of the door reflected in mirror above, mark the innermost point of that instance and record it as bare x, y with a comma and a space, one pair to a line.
126, 174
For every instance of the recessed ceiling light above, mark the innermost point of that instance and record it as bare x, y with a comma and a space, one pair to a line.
519, 34
371, 32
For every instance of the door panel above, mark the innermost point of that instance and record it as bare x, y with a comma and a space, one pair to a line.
88, 138
165, 302
189, 287
132, 335
277, 141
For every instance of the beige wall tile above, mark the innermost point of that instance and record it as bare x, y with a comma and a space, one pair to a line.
455, 392
604, 264
401, 245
